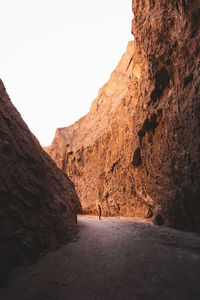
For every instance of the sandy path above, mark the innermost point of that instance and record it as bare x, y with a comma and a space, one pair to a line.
114, 259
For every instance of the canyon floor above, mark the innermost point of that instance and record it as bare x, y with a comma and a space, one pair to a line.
115, 258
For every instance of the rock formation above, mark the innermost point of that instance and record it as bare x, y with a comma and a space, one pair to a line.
137, 152
38, 203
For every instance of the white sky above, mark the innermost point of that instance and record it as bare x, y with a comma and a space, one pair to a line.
56, 54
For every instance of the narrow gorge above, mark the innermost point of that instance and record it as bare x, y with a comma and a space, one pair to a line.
137, 152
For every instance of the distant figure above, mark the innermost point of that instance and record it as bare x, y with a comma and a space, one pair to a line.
99, 207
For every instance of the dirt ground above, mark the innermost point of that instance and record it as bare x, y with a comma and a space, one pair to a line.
118, 259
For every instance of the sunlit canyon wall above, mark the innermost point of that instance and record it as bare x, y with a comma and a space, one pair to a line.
137, 152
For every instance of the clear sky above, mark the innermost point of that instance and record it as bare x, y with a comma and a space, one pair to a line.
56, 54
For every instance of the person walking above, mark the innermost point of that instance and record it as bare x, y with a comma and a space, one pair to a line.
99, 207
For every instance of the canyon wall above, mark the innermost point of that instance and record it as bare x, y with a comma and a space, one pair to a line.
38, 203
137, 152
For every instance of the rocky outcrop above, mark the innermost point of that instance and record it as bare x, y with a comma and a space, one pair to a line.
137, 152
38, 203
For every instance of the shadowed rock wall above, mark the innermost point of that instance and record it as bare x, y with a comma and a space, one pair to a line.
38, 203
137, 152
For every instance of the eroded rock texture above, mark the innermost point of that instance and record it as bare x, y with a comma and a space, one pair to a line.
38, 203
137, 152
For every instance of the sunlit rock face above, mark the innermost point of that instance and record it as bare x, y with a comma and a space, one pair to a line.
137, 152
38, 203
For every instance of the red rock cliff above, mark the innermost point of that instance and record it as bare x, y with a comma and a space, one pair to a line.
137, 152
38, 203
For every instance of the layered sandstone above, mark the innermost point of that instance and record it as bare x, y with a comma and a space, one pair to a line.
137, 152
38, 203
